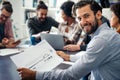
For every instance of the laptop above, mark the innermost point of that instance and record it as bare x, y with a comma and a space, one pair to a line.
55, 40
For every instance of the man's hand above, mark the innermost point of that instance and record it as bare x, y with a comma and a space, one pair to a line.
72, 47
12, 44
5, 41
27, 74
66, 57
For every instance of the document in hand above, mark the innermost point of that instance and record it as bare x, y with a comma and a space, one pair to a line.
7, 51
41, 57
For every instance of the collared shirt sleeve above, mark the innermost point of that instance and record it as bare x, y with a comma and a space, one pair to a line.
8, 29
91, 59
39, 75
76, 57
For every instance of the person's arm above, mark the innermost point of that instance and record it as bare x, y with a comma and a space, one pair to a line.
29, 72
54, 22
68, 57
32, 26
6, 43
72, 47
74, 58
93, 57
63, 55
8, 30
12, 44
80, 46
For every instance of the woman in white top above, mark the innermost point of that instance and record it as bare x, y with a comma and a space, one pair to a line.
70, 28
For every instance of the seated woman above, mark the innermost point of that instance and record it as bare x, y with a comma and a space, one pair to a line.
115, 19
70, 28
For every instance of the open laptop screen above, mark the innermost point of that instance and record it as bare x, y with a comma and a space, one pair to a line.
55, 40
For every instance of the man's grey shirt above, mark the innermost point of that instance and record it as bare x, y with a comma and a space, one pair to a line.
102, 59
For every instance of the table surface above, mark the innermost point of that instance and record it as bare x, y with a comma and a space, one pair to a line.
8, 69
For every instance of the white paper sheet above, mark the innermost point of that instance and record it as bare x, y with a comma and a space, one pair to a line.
41, 57
6, 52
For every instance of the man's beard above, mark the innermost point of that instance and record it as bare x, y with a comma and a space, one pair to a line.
94, 26
42, 20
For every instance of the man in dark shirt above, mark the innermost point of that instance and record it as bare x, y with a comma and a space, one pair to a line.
105, 3
36, 25
40, 23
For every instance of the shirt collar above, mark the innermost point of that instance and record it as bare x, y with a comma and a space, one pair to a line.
72, 25
100, 28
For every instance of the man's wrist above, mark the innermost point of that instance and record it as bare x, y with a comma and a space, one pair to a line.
67, 58
78, 47
33, 75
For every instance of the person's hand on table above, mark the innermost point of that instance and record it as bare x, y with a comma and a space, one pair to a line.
65, 56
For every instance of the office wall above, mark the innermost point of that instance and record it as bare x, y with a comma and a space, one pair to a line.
17, 11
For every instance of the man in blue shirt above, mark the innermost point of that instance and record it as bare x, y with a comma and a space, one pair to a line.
102, 56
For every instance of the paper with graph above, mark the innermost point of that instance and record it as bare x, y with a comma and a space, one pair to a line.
41, 57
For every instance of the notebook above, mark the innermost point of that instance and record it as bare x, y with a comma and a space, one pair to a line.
55, 40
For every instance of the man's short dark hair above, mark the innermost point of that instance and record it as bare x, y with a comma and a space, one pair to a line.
67, 8
95, 7
8, 8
